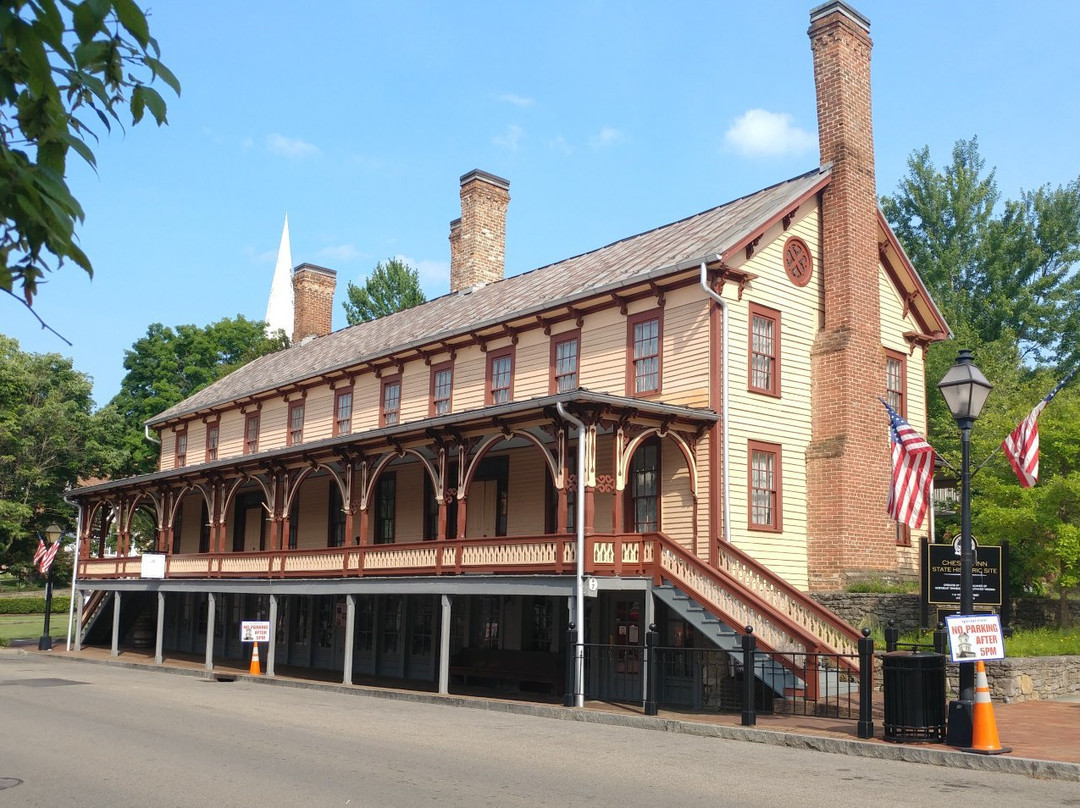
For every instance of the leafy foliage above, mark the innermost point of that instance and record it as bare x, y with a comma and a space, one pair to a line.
59, 62
48, 439
168, 365
392, 286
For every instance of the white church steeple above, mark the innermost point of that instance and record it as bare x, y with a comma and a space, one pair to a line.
279, 309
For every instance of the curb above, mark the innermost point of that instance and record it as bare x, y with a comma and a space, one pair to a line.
1028, 767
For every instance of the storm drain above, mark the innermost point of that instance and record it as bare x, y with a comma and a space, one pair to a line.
9, 782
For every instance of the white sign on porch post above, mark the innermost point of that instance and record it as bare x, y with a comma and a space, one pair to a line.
153, 565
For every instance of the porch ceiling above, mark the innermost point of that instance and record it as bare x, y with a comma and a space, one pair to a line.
584, 403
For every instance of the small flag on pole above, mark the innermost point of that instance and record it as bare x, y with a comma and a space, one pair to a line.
912, 472
40, 552
1022, 445
48, 558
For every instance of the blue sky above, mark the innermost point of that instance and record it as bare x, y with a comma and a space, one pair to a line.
608, 119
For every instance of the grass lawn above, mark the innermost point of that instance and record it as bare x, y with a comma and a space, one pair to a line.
28, 626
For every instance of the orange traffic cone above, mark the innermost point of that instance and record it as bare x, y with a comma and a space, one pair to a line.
255, 670
984, 734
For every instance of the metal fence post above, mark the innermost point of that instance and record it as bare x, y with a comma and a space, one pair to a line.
892, 636
652, 670
571, 653
749, 646
866, 685
941, 639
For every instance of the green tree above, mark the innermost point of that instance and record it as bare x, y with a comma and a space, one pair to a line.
392, 286
1005, 269
168, 365
62, 64
48, 439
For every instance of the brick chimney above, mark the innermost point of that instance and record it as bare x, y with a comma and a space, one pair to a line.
313, 296
848, 458
478, 238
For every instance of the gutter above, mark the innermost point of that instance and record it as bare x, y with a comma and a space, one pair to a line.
725, 453
579, 578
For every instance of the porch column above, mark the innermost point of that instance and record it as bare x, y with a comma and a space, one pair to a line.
270, 651
116, 624
158, 657
211, 608
444, 644
80, 604
461, 508
363, 526
561, 512
350, 631
650, 618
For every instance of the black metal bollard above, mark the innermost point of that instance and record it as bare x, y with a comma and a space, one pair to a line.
866, 685
571, 656
652, 670
892, 636
749, 646
941, 639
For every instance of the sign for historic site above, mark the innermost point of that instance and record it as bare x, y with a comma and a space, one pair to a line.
972, 638
941, 574
254, 631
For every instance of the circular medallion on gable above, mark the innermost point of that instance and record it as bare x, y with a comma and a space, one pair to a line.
797, 261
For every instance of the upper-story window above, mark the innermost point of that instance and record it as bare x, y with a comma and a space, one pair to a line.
764, 350
500, 375
251, 433
343, 400
896, 381
765, 503
213, 429
565, 349
181, 448
644, 341
296, 422
390, 411
442, 388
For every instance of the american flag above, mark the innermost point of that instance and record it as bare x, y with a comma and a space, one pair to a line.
1022, 445
912, 471
39, 553
48, 557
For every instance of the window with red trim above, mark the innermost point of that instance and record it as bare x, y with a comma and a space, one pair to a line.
296, 423
442, 389
343, 401
181, 448
644, 342
565, 349
765, 498
213, 429
500, 376
251, 433
764, 344
390, 412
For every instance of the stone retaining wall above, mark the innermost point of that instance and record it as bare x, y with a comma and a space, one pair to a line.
1017, 679
868, 609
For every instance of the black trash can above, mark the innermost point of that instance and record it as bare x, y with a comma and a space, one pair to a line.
914, 686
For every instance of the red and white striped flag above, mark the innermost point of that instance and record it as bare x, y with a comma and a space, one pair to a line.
1022, 445
912, 472
39, 553
48, 558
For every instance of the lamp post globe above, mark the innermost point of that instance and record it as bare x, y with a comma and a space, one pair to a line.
965, 390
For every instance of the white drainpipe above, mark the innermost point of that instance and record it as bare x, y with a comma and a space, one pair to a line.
579, 580
724, 448
148, 436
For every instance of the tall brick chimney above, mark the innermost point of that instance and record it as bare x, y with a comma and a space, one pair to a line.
848, 457
478, 238
313, 306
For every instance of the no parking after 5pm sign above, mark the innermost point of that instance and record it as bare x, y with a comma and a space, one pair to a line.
975, 637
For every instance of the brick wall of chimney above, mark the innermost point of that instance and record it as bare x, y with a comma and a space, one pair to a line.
313, 301
478, 243
848, 458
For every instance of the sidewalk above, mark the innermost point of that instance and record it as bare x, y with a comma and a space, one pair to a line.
1044, 735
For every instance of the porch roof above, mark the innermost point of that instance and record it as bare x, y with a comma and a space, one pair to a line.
580, 401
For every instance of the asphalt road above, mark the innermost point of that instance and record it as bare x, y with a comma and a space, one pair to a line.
91, 735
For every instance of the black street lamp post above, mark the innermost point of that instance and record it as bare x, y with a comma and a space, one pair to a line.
52, 533
965, 389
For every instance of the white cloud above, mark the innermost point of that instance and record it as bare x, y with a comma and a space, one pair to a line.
434, 275
290, 147
340, 253
509, 139
608, 136
760, 133
517, 100
559, 143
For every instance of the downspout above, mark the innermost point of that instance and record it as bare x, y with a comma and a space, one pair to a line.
579, 579
724, 447
148, 436
74, 568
